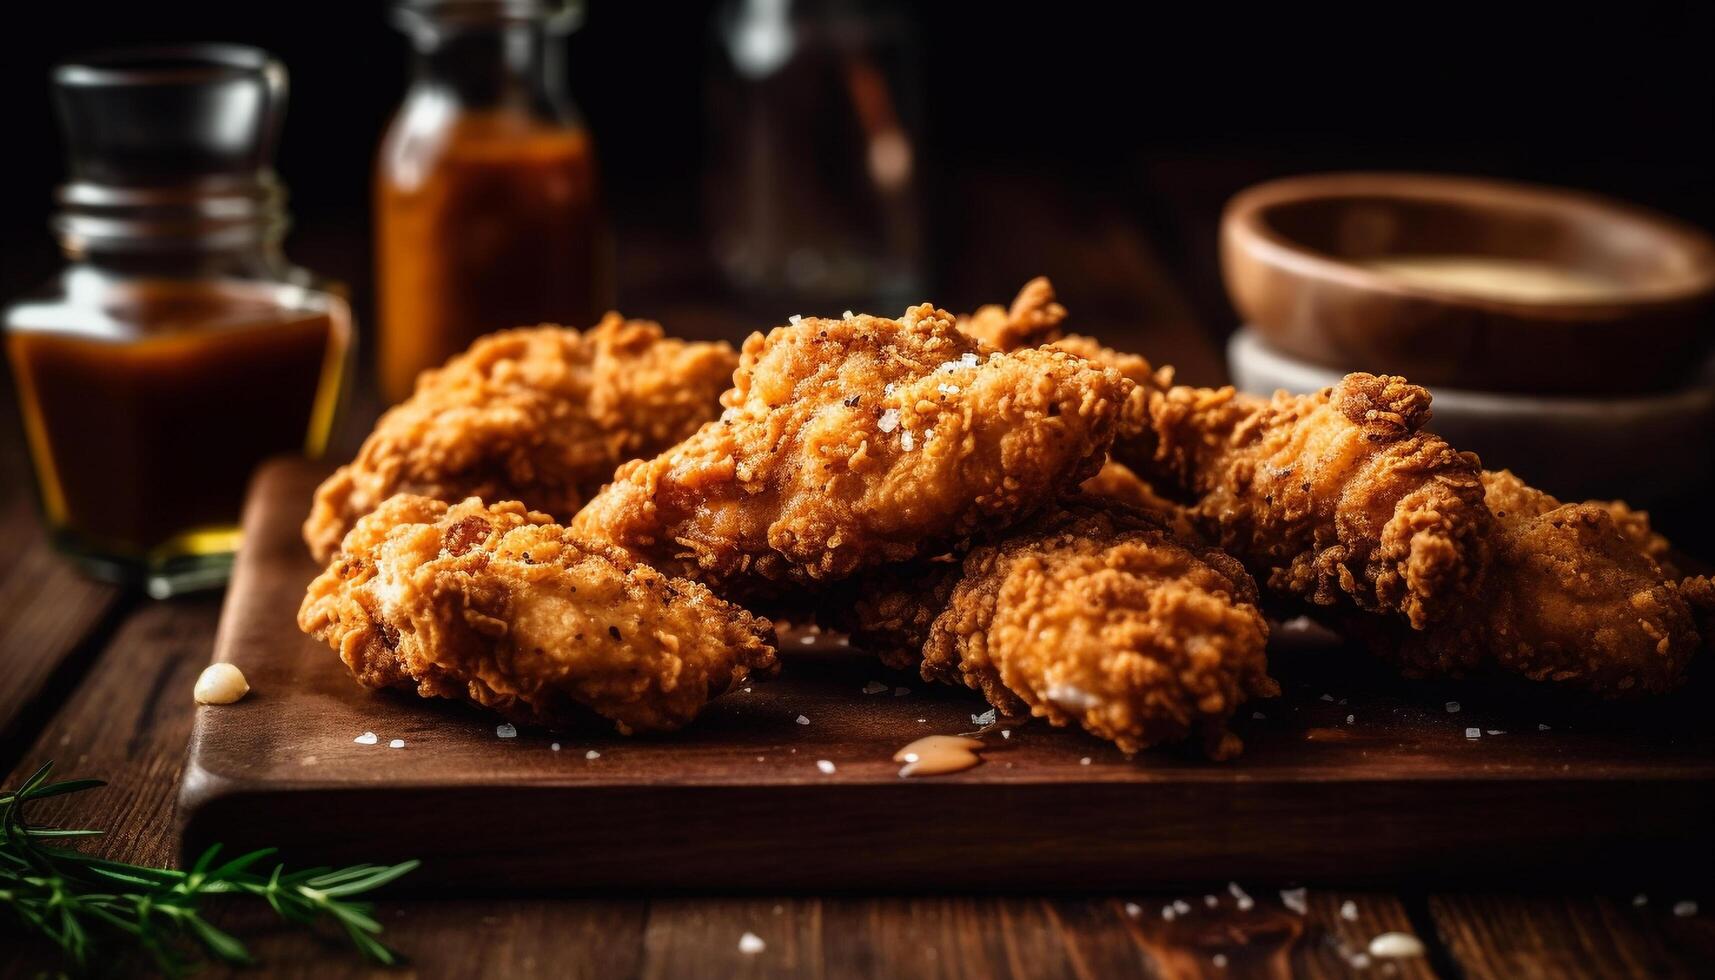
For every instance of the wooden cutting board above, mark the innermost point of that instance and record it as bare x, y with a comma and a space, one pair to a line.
1351, 775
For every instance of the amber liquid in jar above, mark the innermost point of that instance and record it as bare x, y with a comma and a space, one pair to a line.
146, 419
487, 222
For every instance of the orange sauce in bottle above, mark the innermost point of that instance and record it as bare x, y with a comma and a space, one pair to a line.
145, 422
485, 220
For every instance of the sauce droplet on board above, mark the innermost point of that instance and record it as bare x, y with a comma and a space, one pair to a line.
935, 755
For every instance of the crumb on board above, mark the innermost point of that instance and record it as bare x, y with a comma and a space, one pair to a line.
750, 944
367, 738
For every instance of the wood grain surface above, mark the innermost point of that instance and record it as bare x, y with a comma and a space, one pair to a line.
1348, 776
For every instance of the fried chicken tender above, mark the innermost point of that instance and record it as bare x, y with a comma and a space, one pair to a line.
1574, 596
850, 443
1093, 613
1336, 498
501, 607
540, 414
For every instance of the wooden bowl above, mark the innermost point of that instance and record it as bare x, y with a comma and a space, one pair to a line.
1374, 272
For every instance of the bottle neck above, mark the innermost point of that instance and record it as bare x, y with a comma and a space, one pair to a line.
214, 227
512, 64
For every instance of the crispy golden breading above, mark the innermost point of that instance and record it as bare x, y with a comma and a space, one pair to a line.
849, 443
1573, 597
540, 414
1032, 320
1092, 613
1036, 318
501, 607
1336, 497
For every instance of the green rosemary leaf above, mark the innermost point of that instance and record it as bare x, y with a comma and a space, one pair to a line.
91, 907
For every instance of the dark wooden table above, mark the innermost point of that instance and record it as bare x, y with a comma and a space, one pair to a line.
98, 679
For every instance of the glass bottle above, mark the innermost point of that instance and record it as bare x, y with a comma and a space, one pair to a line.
178, 347
814, 196
485, 189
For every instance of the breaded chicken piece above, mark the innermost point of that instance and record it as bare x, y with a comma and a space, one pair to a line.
541, 414
501, 607
1574, 596
1116, 482
1336, 497
1033, 319
847, 444
1092, 613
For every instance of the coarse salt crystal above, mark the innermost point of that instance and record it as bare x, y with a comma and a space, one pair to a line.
1133, 909
847, 314
555, 746
505, 731
1295, 899
907, 441
795, 319
947, 389
1685, 910
592, 754
1168, 913
986, 718
1351, 718
1220, 961
750, 944
1181, 906
802, 720
1237, 892
367, 738
1396, 945
889, 420
1327, 697
1006, 733
875, 687
397, 743
968, 359
1473, 733
1349, 911
1211, 901
1452, 707
807, 640
1084, 761
826, 766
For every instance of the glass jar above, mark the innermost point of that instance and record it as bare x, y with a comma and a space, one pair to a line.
485, 189
178, 348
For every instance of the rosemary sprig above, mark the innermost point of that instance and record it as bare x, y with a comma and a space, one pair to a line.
84, 904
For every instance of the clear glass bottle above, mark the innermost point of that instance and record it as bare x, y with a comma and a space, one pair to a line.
178, 347
487, 214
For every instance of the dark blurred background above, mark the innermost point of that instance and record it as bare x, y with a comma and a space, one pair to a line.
1147, 114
